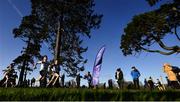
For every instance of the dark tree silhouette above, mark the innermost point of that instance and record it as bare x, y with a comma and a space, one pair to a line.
149, 29
61, 24
152, 2
32, 37
67, 20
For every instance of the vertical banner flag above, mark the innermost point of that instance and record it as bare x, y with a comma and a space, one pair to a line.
97, 66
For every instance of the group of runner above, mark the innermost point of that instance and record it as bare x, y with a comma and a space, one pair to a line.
48, 70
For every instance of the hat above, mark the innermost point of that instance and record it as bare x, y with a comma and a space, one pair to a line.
166, 64
133, 67
118, 69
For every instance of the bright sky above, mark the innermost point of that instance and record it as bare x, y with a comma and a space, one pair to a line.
117, 13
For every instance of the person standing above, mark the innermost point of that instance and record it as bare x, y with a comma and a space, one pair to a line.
119, 77
78, 80
62, 80
135, 75
145, 83
88, 76
110, 83
150, 83
171, 76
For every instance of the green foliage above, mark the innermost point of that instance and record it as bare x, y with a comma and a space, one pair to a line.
58, 94
67, 20
151, 28
33, 36
61, 24
152, 2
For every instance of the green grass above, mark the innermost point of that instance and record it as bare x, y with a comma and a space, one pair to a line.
53, 94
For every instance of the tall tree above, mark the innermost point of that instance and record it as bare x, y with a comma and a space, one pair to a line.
66, 20
63, 23
150, 28
32, 36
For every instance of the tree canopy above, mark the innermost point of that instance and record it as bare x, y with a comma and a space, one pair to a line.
151, 28
61, 23
33, 38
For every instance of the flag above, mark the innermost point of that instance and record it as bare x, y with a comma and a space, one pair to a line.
97, 66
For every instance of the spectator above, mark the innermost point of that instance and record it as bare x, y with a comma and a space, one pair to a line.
78, 80
119, 78
150, 83
135, 75
110, 84
145, 83
171, 76
62, 80
88, 76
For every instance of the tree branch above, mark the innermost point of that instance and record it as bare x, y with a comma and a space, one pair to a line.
175, 32
158, 51
162, 45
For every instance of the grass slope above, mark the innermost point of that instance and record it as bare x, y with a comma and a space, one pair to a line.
53, 94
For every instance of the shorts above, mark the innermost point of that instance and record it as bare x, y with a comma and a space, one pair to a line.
43, 73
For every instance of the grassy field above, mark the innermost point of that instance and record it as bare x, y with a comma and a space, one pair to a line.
53, 94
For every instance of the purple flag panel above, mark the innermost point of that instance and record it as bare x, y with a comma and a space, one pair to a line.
97, 66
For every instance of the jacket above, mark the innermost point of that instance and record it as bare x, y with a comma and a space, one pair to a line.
135, 74
170, 74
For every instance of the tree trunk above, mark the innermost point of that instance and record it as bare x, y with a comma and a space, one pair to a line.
58, 44
21, 76
20, 83
25, 72
58, 39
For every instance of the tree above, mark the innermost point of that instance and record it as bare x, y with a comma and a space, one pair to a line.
63, 23
152, 2
150, 28
32, 36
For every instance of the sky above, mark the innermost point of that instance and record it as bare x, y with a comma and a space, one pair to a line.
116, 15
